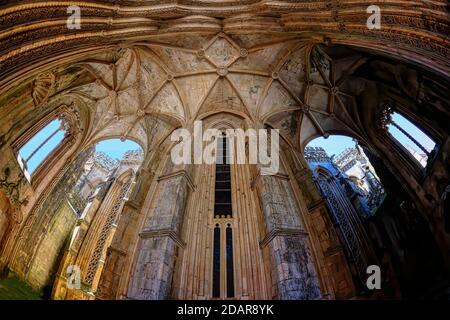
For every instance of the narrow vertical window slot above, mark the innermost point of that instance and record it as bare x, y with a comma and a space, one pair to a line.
230, 268
216, 263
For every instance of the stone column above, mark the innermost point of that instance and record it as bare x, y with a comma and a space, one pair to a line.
160, 239
293, 269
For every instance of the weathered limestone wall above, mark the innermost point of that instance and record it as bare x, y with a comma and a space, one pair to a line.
119, 253
160, 240
118, 266
60, 288
92, 237
45, 262
4, 223
6, 220
294, 271
337, 278
19, 112
193, 279
35, 230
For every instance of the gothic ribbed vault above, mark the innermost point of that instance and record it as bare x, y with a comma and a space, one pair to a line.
139, 69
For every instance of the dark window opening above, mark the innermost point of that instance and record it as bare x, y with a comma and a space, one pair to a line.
230, 273
216, 263
222, 203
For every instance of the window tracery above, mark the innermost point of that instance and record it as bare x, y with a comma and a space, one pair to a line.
111, 219
412, 138
223, 266
45, 140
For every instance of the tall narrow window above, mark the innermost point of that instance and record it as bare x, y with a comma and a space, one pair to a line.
414, 140
222, 204
37, 149
223, 270
230, 273
216, 263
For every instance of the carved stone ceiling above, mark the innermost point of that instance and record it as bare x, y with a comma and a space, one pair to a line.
156, 65
145, 90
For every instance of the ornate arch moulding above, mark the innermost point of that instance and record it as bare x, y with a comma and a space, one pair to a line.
70, 118
414, 30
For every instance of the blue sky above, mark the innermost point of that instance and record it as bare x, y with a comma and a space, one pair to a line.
34, 142
113, 147
116, 148
334, 145
421, 137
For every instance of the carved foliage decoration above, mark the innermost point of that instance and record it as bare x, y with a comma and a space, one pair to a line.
12, 189
42, 87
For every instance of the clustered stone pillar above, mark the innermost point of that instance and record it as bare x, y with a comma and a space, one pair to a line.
293, 270
160, 240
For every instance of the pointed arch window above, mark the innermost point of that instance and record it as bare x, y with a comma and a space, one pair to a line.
37, 149
229, 261
216, 262
418, 144
222, 205
223, 264
409, 139
43, 143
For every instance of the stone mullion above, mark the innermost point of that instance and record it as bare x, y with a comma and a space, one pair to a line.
246, 252
199, 242
209, 234
195, 274
254, 207
191, 280
186, 272
192, 273
242, 267
203, 223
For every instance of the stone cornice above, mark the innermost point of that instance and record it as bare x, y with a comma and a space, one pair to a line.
118, 251
282, 232
316, 204
183, 173
163, 233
